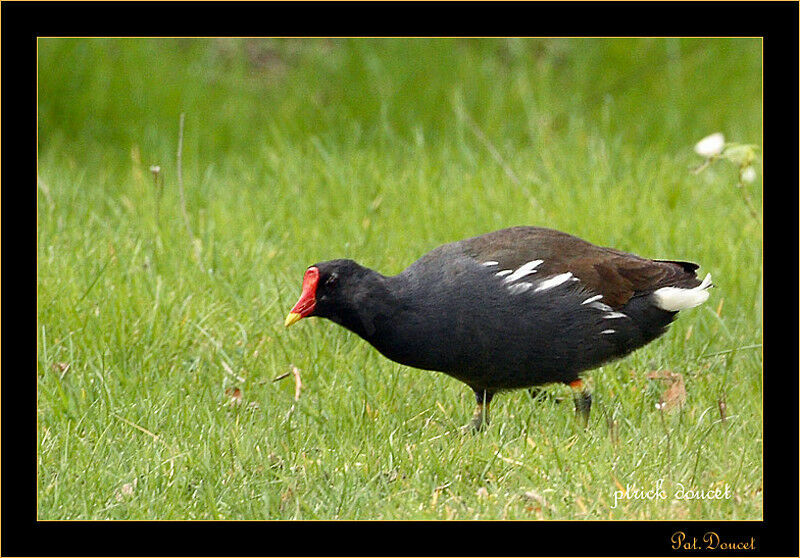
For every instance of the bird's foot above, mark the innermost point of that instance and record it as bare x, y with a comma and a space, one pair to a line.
480, 420
583, 406
583, 402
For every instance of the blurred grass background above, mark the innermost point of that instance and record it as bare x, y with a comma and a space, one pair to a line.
297, 151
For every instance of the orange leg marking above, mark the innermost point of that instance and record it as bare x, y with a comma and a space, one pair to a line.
577, 384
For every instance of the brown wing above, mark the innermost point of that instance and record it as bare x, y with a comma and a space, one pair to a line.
616, 275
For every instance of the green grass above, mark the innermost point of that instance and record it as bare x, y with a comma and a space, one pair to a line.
302, 151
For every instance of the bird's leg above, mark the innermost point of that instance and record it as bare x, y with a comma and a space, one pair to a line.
481, 416
583, 401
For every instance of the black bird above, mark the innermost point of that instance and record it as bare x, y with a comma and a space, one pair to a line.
515, 308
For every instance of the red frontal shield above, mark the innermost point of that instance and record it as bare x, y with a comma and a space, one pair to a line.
308, 298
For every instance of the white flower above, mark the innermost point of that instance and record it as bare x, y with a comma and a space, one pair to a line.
710, 145
749, 174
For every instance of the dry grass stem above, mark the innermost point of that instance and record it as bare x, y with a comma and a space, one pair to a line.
298, 384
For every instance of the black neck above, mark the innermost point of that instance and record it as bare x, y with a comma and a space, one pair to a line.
371, 307
384, 314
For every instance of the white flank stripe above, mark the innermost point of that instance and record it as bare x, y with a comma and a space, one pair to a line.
608, 331
523, 270
518, 288
504, 272
553, 282
489, 264
612, 315
592, 299
673, 299
601, 306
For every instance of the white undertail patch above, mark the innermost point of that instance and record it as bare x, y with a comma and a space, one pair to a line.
504, 272
673, 299
553, 281
523, 270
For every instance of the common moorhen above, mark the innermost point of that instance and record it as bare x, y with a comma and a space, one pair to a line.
515, 308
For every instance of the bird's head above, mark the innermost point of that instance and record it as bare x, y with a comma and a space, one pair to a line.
330, 290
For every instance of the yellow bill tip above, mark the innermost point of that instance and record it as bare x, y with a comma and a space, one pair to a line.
292, 318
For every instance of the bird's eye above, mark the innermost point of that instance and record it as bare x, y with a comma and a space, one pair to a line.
331, 280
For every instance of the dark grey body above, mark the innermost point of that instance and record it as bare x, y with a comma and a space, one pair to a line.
450, 313
466, 324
